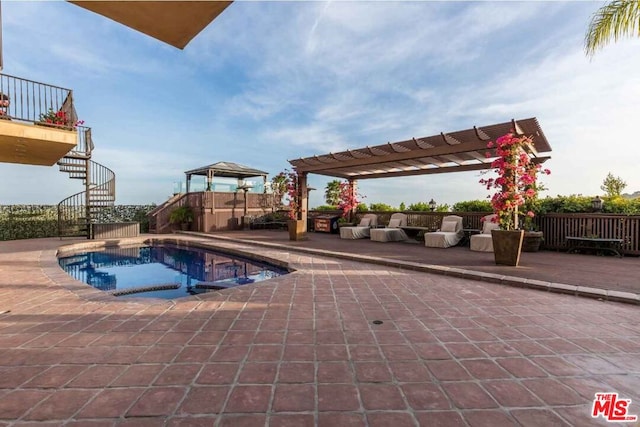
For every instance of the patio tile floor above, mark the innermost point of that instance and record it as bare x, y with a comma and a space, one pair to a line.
303, 349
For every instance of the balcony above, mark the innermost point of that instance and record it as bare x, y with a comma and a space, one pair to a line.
25, 135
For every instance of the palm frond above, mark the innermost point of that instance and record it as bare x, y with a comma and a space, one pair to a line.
614, 20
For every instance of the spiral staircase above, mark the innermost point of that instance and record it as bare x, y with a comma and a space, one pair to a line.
77, 212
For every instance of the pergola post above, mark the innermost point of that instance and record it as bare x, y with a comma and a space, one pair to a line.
302, 199
188, 182
352, 195
209, 179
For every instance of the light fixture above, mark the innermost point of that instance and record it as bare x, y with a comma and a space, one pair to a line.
596, 204
432, 205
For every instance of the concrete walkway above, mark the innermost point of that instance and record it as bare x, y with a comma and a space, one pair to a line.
337, 343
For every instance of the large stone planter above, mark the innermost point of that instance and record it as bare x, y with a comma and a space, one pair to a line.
296, 229
532, 241
507, 246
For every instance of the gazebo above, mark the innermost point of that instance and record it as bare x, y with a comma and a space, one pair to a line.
225, 170
458, 151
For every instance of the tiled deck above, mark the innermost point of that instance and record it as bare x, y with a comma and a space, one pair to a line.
302, 349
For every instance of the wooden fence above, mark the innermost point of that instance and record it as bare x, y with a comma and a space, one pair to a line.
556, 227
223, 211
115, 230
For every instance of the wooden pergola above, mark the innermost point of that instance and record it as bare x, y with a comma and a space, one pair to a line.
459, 151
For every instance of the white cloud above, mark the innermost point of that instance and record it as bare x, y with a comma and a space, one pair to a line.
270, 81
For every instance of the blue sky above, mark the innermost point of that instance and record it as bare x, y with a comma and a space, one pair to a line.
271, 81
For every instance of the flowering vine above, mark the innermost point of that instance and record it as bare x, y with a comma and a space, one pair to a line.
348, 198
516, 181
292, 194
285, 184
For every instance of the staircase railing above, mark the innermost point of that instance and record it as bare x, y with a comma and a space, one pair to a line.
78, 211
72, 219
102, 190
159, 217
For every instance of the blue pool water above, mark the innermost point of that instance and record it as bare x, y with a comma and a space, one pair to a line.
166, 272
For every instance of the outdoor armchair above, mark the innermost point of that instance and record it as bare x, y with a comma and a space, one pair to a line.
483, 242
392, 232
449, 234
360, 231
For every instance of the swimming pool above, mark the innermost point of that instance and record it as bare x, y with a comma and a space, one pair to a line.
164, 271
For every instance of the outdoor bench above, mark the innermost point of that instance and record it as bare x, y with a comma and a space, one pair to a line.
594, 244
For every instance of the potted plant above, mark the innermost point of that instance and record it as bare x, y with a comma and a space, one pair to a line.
58, 119
295, 225
516, 184
183, 216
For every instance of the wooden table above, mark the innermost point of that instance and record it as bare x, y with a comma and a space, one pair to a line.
594, 244
414, 232
468, 232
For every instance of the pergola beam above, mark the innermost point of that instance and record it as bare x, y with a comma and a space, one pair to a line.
466, 149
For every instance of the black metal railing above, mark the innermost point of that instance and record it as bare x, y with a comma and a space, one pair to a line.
30, 101
77, 212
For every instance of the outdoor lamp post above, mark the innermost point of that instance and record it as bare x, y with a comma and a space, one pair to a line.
432, 205
245, 188
596, 204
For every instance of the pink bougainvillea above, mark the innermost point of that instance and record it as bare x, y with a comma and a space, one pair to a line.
285, 184
292, 194
516, 181
348, 199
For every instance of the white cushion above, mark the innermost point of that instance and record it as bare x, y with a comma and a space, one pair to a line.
365, 222
488, 226
448, 227
394, 223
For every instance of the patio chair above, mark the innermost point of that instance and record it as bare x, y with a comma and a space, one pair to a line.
483, 242
392, 232
360, 231
449, 234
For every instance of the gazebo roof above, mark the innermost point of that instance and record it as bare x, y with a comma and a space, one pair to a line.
457, 151
227, 170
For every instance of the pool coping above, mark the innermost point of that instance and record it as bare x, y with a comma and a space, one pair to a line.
51, 268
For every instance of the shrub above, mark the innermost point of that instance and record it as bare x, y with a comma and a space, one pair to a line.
380, 207
473, 206
325, 208
181, 215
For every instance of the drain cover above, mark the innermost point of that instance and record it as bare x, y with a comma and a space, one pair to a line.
377, 322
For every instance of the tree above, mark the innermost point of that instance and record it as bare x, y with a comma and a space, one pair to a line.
612, 185
279, 186
403, 207
612, 21
381, 207
332, 193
